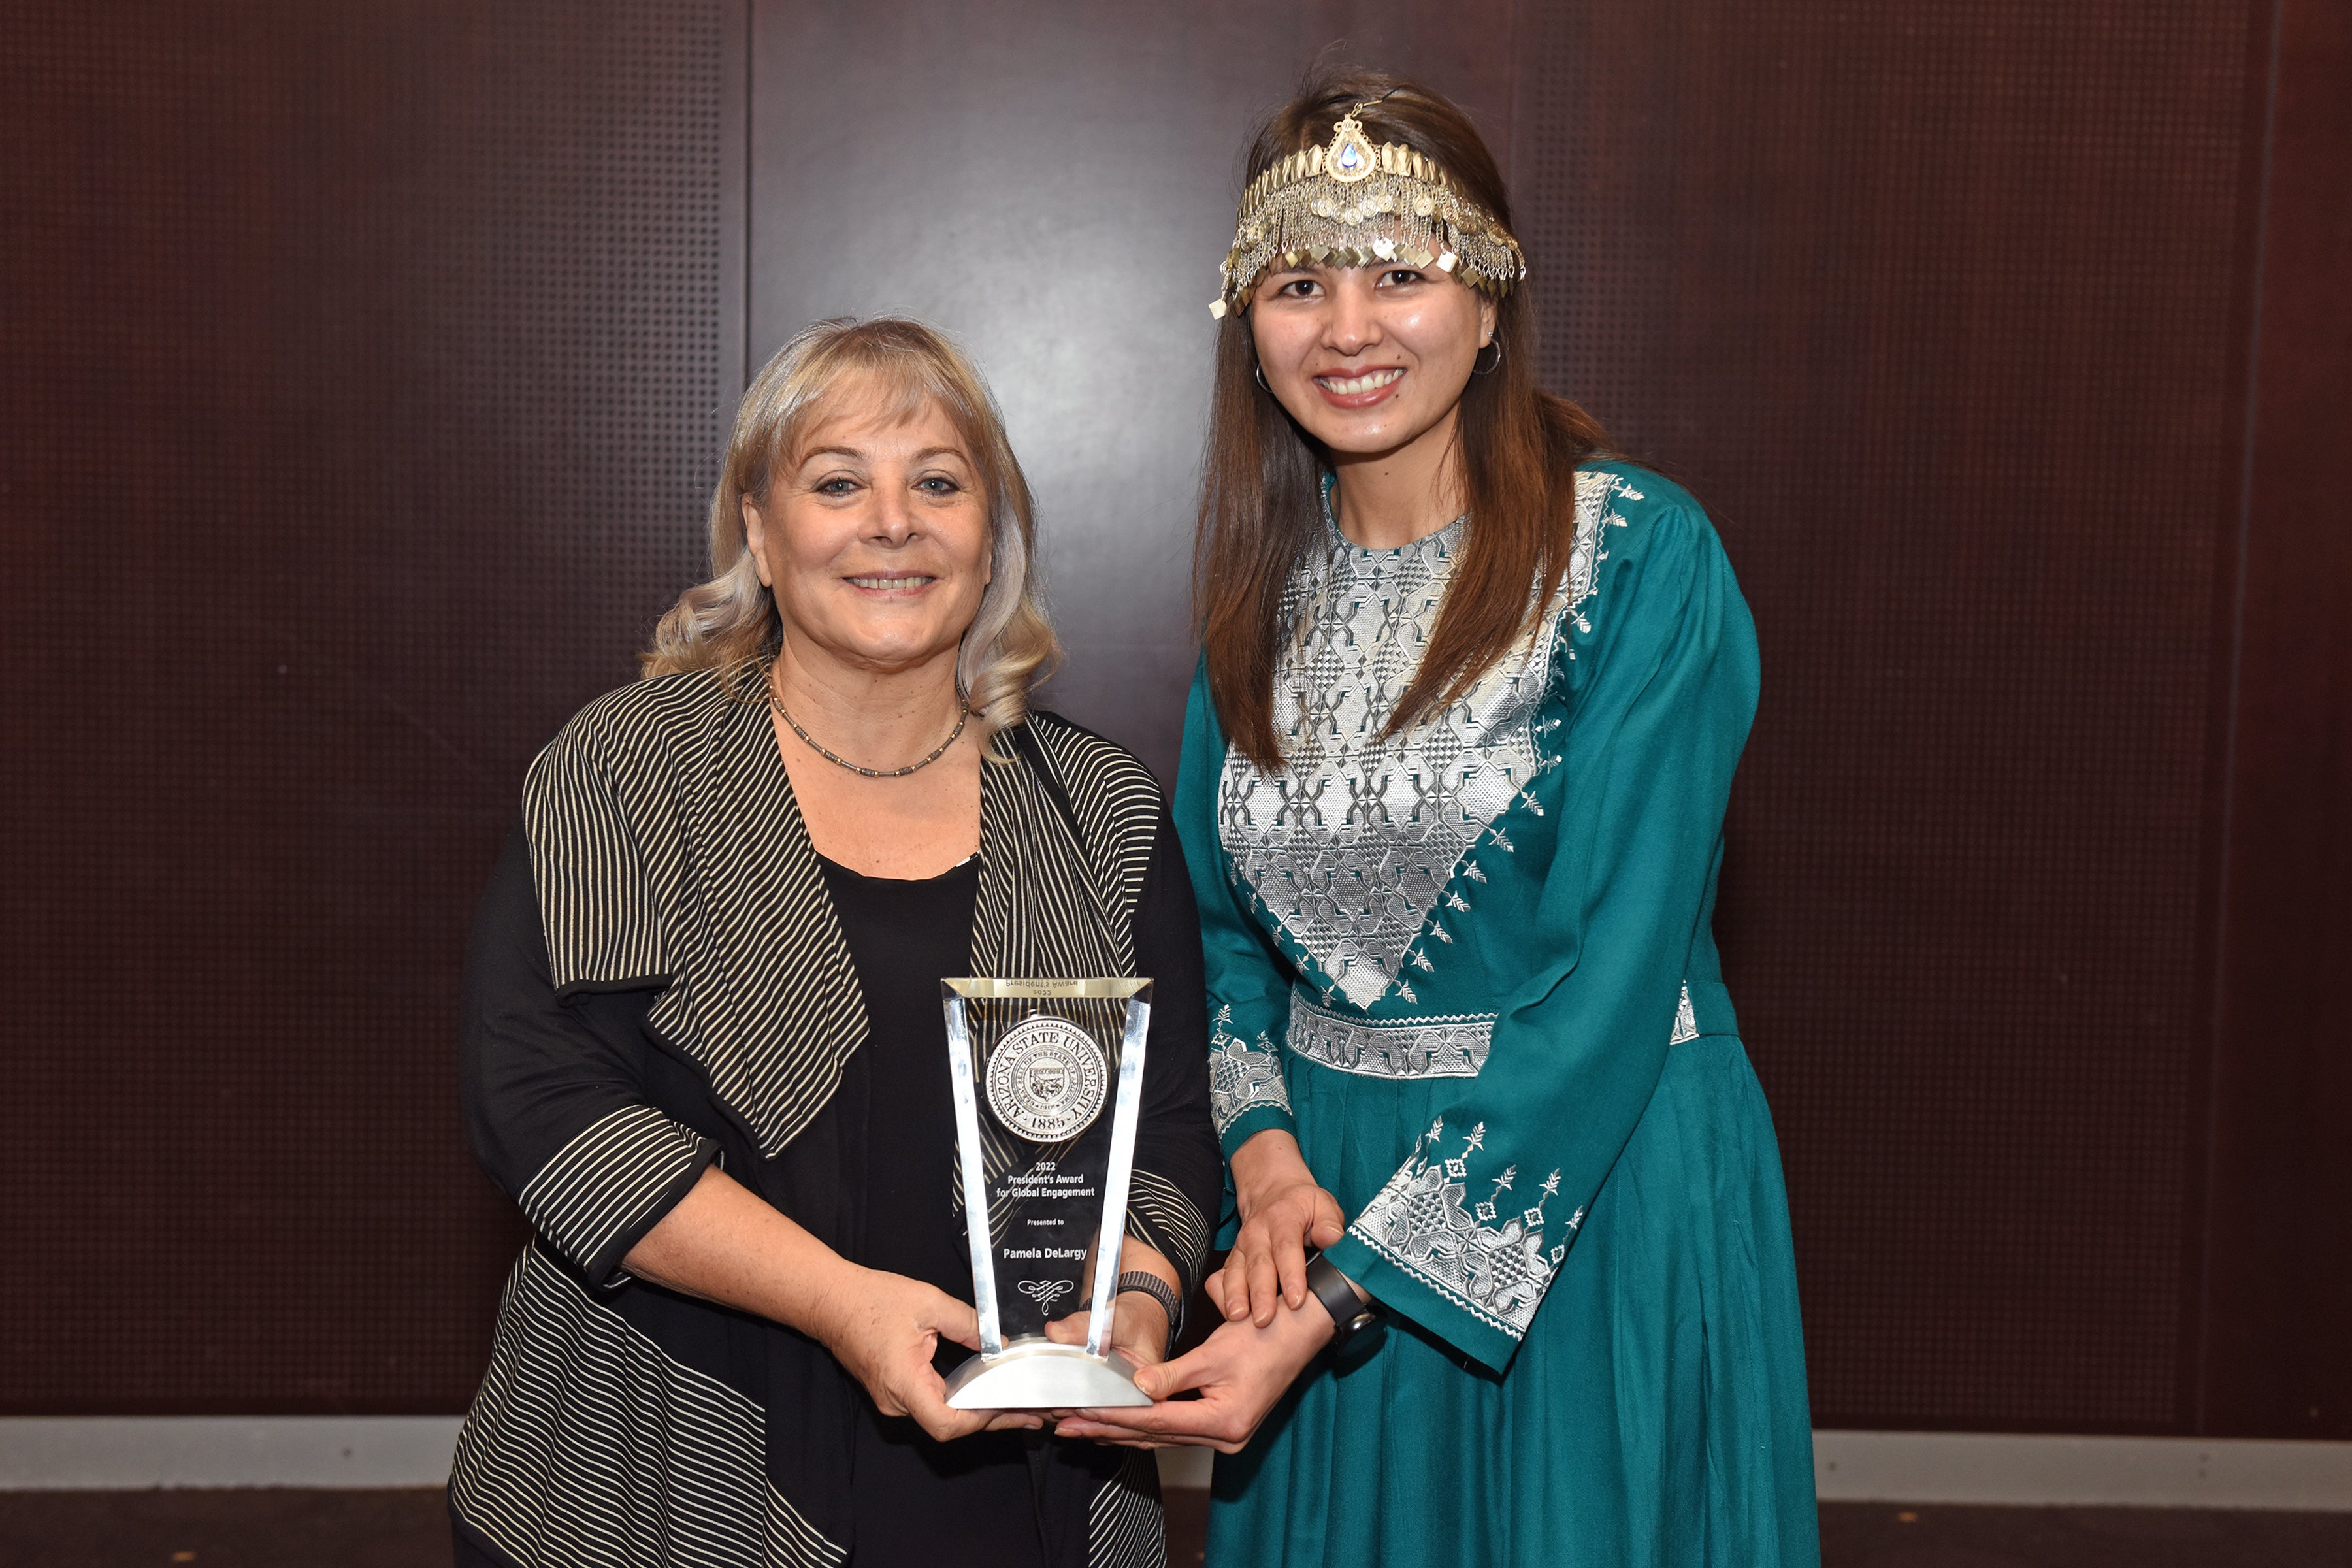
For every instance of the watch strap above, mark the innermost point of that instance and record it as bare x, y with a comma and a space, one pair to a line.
1350, 1312
1156, 1288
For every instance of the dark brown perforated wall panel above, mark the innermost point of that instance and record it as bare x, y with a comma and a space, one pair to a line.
1938, 308
2276, 1280
359, 368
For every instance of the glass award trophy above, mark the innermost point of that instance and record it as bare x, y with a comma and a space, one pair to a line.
1049, 1082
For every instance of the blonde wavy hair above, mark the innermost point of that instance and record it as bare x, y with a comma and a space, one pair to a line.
731, 623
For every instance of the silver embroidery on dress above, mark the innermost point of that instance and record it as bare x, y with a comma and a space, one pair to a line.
1593, 494
1353, 847
1420, 1222
1242, 1077
1452, 1046
1685, 1020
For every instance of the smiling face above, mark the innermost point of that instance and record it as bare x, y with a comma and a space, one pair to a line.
1369, 359
875, 542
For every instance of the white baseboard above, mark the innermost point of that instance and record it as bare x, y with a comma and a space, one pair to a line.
128, 1453
2033, 1471
81, 1452
2097, 1472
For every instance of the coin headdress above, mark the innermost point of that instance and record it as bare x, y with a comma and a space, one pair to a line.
1351, 203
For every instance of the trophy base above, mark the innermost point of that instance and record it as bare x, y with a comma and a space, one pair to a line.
1035, 1373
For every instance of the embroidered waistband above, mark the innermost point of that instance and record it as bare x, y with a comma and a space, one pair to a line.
1450, 1046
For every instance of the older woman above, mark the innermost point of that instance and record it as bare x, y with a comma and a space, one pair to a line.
704, 1048
1454, 790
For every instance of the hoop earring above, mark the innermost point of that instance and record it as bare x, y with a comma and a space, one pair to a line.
1497, 346
1259, 370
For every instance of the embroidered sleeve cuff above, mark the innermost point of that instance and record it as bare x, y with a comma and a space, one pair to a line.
604, 1190
1414, 1296
1252, 1123
1465, 1237
1247, 1093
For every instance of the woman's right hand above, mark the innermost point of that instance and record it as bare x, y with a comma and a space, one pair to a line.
1241, 1371
1283, 1213
884, 1328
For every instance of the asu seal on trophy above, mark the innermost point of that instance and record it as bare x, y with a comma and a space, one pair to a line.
1047, 1079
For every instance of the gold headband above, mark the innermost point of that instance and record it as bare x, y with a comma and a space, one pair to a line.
1351, 204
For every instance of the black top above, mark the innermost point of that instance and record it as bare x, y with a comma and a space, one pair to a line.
910, 1493
904, 936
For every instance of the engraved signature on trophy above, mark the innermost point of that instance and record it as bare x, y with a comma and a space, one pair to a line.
1045, 1292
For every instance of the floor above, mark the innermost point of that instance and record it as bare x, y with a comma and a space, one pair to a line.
406, 1529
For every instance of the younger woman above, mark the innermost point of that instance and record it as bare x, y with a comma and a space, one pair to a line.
1452, 797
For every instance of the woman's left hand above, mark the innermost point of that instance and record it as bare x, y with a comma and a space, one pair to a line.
1138, 1325
1242, 1370
1138, 1328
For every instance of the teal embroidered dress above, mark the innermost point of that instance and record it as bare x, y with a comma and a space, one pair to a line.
1471, 968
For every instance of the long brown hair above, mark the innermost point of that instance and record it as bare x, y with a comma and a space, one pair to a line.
1518, 448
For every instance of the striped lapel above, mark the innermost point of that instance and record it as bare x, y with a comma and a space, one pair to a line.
770, 1004
1043, 908
769, 1001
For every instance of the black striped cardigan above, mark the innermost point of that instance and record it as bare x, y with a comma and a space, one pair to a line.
621, 1424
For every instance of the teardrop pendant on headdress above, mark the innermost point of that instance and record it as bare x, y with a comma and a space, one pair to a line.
1350, 156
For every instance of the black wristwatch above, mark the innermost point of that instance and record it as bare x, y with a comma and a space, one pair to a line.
1350, 1314
1151, 1285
